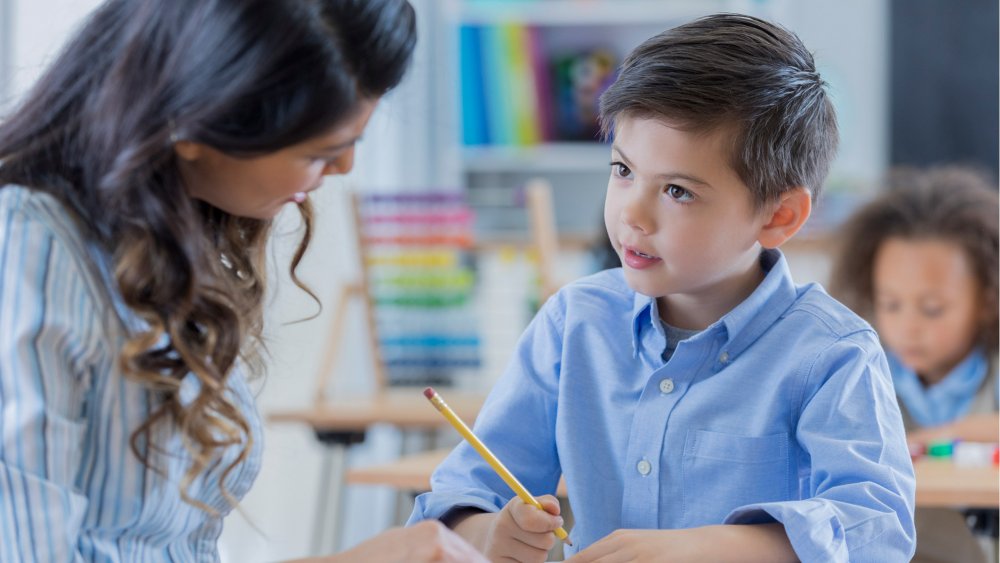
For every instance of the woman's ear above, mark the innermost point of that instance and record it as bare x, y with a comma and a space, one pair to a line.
188, 150
786, 218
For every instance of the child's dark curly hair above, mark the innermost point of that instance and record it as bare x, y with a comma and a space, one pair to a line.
952, 203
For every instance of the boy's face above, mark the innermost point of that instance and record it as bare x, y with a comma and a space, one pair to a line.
682, 221
927, 303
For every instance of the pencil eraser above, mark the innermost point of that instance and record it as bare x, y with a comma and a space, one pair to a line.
429, 392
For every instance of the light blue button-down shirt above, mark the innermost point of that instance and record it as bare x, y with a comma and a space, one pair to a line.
70, 487
783, 410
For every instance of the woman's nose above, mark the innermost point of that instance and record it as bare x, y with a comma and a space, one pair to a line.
342, 164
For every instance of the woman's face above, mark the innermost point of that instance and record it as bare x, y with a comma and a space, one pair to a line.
258, 187
928, 306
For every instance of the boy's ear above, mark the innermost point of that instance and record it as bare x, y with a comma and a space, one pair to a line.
786, 218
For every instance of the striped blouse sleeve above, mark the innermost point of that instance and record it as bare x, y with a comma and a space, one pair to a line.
48, 332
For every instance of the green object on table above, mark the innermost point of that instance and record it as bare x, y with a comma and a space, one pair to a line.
941, 449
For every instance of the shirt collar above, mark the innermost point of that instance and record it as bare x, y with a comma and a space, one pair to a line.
744, 323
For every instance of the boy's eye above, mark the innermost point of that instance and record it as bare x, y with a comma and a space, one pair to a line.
678, 193
619, 169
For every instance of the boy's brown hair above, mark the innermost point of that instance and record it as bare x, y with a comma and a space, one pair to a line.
742, 75
950, 203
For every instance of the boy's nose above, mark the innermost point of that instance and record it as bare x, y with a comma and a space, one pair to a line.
636, 214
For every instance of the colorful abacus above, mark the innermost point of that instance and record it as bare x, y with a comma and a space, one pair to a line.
415, 249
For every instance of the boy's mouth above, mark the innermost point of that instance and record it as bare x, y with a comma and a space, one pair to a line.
637, 259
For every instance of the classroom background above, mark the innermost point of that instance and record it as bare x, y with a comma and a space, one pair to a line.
501, 96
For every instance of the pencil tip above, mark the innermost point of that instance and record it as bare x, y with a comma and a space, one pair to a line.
568, 542
429, 392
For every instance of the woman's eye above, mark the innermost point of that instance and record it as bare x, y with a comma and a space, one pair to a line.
678, 193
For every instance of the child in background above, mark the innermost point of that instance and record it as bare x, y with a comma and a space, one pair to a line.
921, 262
699, 404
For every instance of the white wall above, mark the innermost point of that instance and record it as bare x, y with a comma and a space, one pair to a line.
5, 49
37, 29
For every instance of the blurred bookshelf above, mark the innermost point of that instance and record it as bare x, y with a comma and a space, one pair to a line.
527, 76
585, 12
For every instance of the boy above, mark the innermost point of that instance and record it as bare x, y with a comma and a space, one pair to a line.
700, 406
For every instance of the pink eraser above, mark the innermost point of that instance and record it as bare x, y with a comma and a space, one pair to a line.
429, 392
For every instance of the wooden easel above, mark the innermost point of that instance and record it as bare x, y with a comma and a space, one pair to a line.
542, 219
347, 293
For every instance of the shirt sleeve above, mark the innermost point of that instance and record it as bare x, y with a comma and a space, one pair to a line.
858, 498
46, 319
517, 423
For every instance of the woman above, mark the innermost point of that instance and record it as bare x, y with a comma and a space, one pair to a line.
140, 178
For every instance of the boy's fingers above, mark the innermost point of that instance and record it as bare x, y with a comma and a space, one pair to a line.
596, 552
542, 542
550, 504
530, 519
520, 551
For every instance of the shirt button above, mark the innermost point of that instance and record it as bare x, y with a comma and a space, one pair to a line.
724, 357
666, 385
644, 467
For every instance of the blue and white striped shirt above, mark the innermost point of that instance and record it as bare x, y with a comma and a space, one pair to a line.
782, 410
70, 487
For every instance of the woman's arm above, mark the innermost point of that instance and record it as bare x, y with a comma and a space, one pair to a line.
47, 322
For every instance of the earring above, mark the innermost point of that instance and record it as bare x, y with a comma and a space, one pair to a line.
173, 132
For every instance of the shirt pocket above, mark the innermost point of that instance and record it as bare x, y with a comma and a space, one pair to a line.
724, 471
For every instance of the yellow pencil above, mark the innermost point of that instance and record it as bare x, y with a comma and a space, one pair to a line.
491, 459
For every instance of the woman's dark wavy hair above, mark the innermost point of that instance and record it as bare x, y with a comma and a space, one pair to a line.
246, 77
952, 203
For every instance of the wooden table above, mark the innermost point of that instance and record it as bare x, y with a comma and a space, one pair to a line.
403, 407
939, 483
411, 473
342, 423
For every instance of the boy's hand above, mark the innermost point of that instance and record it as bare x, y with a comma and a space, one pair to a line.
637, 546
764, 542
523, 533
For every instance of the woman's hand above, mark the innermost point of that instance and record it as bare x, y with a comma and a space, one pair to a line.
425, 542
